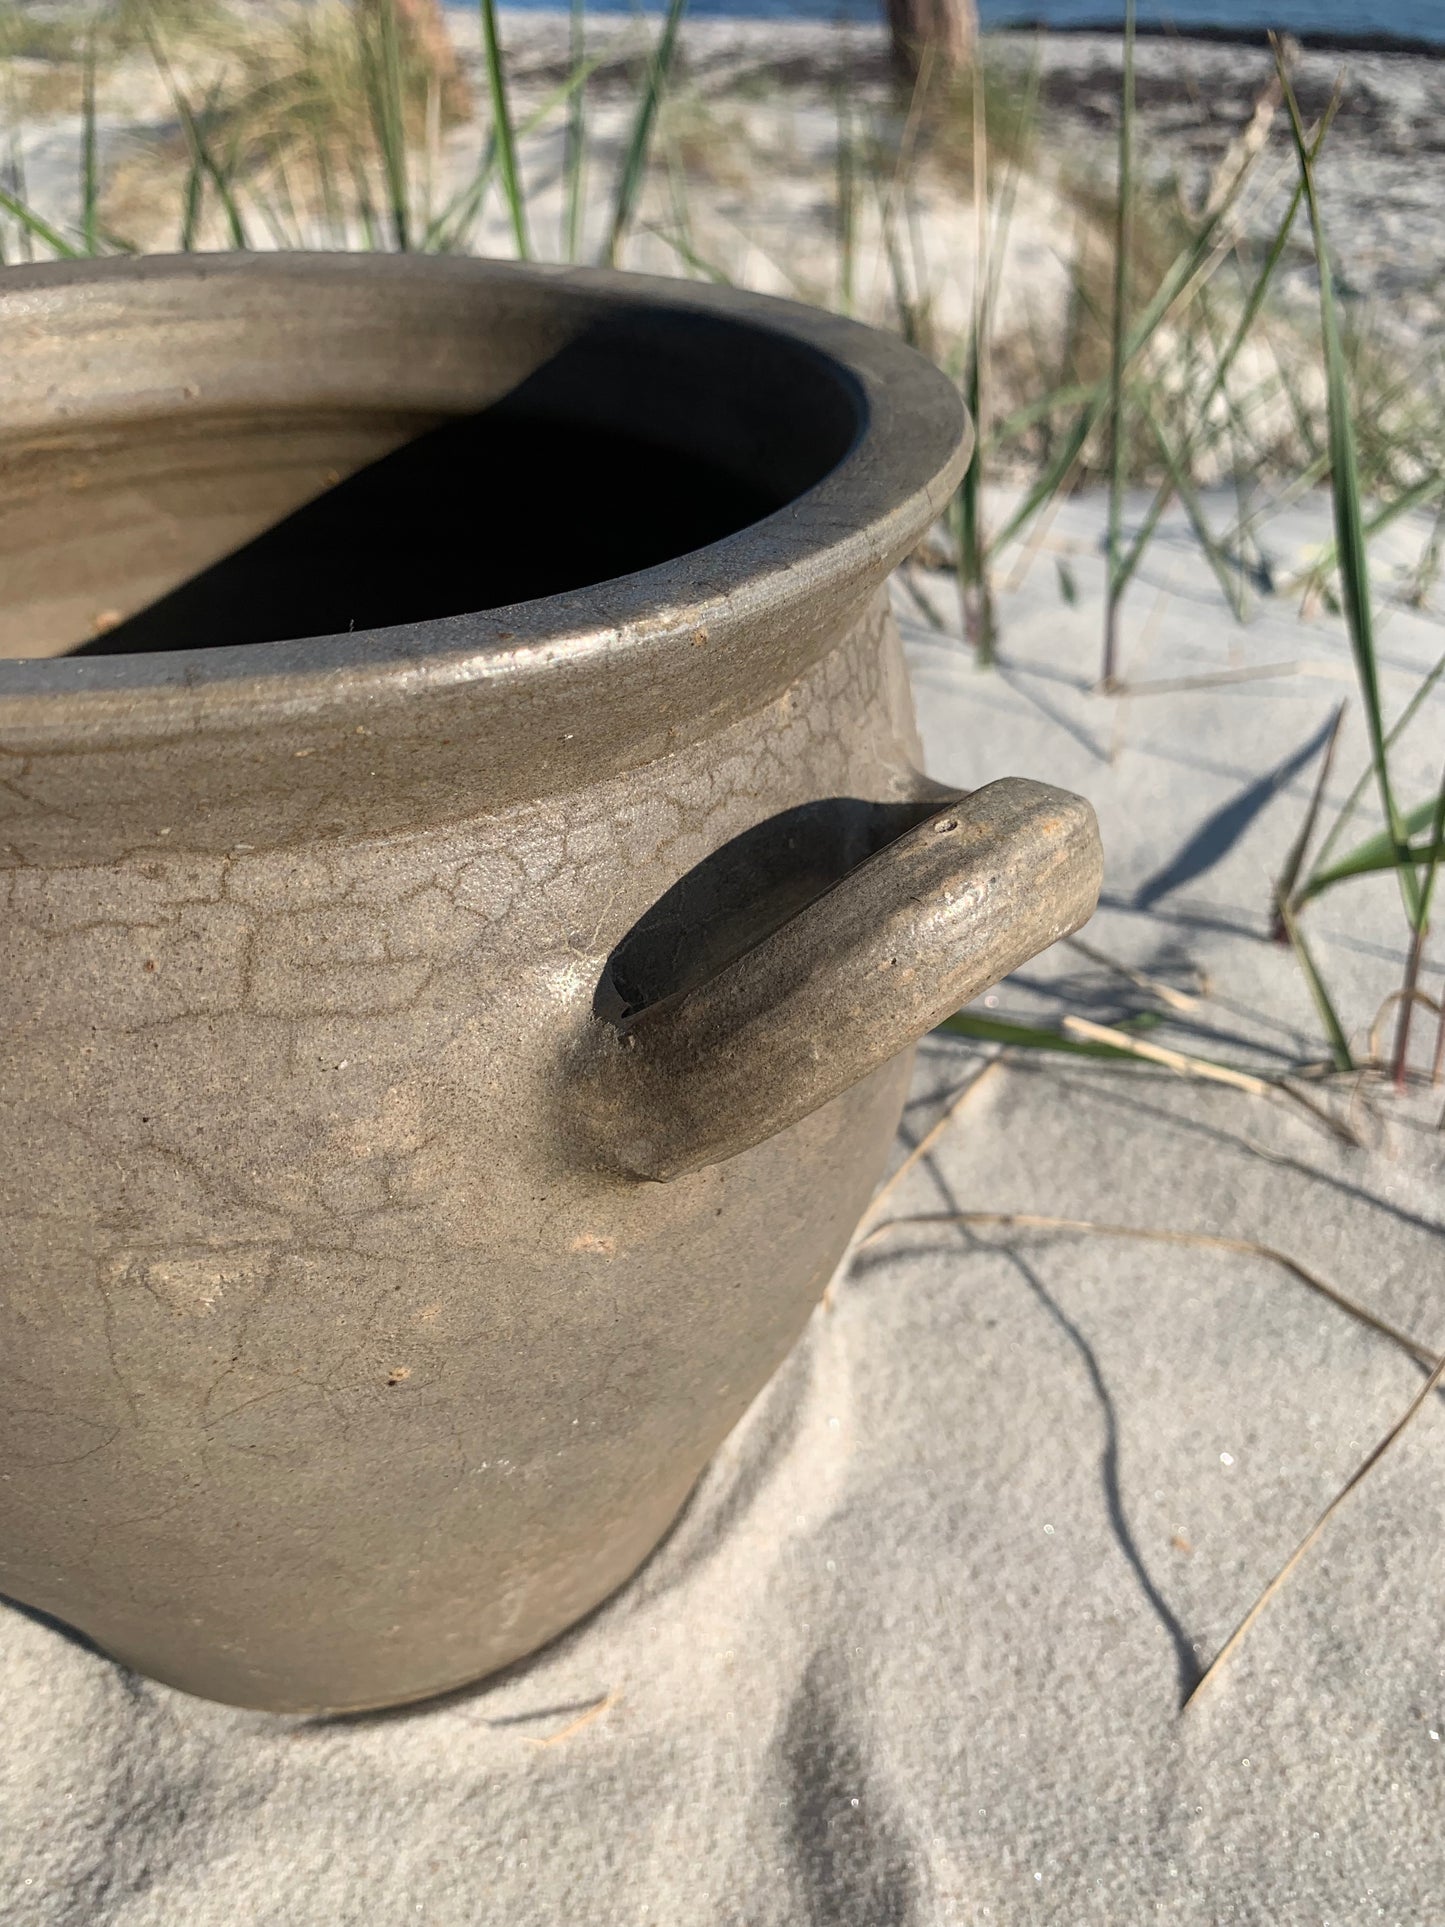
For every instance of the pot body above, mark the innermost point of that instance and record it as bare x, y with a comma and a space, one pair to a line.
334, 1377
362, 983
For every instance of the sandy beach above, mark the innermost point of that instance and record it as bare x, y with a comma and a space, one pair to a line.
916, 1651
932, 1642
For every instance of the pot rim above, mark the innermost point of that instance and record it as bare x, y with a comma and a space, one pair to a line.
856, 522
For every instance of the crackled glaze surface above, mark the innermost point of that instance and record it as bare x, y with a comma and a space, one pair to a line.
307, 1311
337, 1370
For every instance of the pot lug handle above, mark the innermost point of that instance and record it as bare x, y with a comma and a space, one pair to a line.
925, 924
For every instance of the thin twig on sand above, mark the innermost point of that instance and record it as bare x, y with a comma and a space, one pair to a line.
584, 1718
920, 1151
1209, 1241
1162, 1235
1166, 993
1206, 1069
1401, 995
1362, 1472
1171, 1060
931, 1136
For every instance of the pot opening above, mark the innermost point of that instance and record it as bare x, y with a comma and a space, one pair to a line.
635, 443
472, 515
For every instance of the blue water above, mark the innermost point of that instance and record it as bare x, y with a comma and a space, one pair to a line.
1411, 20
1342, 19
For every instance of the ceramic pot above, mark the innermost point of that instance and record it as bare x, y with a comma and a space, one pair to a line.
470, 896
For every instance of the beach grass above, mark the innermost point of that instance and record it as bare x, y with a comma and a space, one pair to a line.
504, 137
1415, 866
1123, 227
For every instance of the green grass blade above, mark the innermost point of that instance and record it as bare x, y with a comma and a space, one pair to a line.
1421, 495
1434, 843
975, 589
192, 203
38, 227
193, 193
575, 155
1350, 540
562, 93
1129, 563
1302, 413
446, 232
391, 127
847, 204
1023, 125
364, 205
1123, 237
1030, 413
975, 551
1193, 263
503, 131
683, 248
379, 46
910, 320
1339, 1044
634, 164
1225, 574
1288, 879
1376, 853
89, 170
203, 163
1397, 729
1428, 567
1060, 467
1409, 988
1243, 331
998, 1030
1282, 498
1249, 314
19, 192
221, 179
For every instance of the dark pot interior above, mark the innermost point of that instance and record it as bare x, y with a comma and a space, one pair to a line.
647, 435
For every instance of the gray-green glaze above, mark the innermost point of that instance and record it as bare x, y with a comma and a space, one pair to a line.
359, 988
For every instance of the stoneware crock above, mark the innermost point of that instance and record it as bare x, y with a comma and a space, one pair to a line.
469, 899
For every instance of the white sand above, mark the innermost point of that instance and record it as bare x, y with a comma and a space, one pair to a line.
915, 1652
